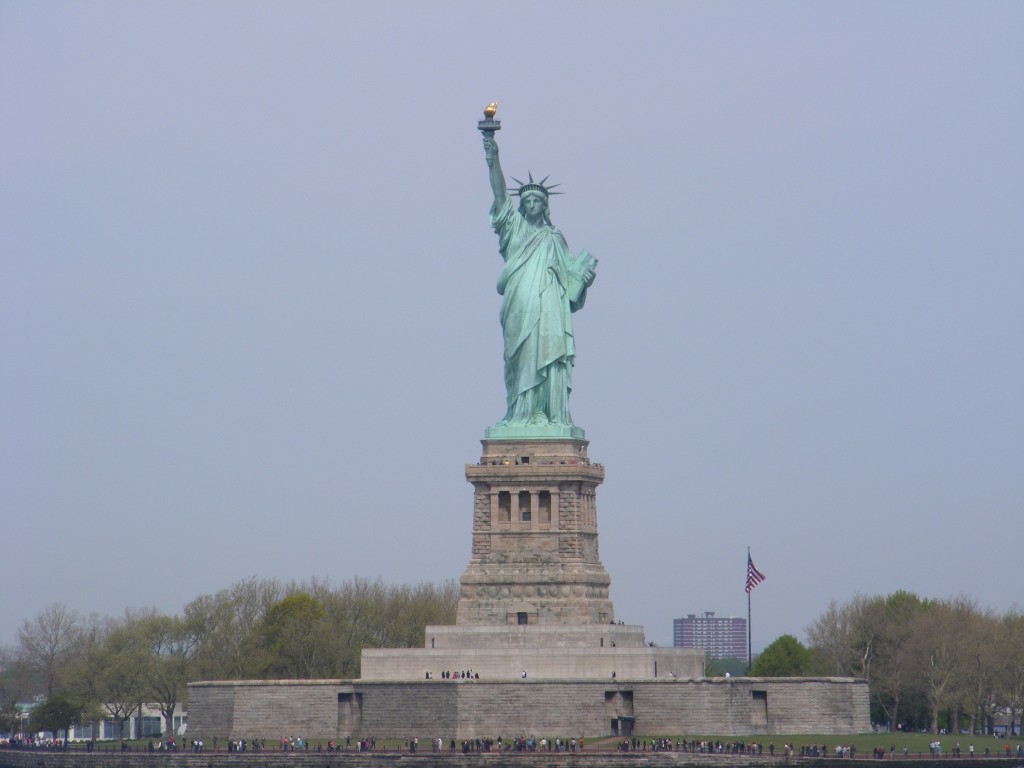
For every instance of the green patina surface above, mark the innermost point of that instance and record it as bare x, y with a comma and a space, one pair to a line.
541, 283
533, 432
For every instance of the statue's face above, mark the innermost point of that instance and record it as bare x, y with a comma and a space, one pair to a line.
534, 207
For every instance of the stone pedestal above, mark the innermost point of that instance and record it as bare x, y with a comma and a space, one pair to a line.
534, 595
535, 556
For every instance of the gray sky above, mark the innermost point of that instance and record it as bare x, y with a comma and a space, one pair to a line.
249, 323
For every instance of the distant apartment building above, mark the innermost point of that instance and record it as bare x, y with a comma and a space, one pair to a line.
723, 638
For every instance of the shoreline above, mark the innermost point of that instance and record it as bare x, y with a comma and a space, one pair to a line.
607, 758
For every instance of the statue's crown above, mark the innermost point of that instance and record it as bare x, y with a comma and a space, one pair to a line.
533, 186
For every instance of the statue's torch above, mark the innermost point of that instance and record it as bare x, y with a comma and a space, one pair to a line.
489, 125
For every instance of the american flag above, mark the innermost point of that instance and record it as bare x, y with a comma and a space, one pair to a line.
754, 576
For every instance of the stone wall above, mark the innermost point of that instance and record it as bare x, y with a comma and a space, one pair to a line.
533, 636
541, 663
789, 704
266, 708
327, 709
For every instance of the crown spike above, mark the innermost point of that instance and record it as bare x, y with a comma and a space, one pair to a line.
533, 186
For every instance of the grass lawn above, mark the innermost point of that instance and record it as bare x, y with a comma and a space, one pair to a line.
915, 743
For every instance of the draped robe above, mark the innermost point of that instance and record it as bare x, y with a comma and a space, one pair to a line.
535, 318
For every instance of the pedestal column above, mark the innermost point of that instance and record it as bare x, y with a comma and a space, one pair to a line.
535, 555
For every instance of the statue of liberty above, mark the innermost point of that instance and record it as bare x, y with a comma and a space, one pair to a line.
542, 284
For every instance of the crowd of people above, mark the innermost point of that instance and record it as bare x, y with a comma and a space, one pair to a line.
463, 674
522, 744
696, 746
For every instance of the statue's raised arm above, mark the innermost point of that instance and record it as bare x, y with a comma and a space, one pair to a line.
494, 167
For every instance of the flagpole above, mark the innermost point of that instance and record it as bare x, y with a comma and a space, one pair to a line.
754, 577
749, 656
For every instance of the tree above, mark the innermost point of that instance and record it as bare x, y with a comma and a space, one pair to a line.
236, 637
254, 628
14, 685
890, 683
866, 638
369, 614
978, 684
850, 635
937, 655
1010, 646
224, 625
47, 642
354, 615
292, 638
59, 711
784, 657
115, 667
832, 634
169, 645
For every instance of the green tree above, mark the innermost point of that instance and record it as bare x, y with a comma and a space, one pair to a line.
60, 710
890, 682
237, 636
293, 638
115, 667
784, 657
